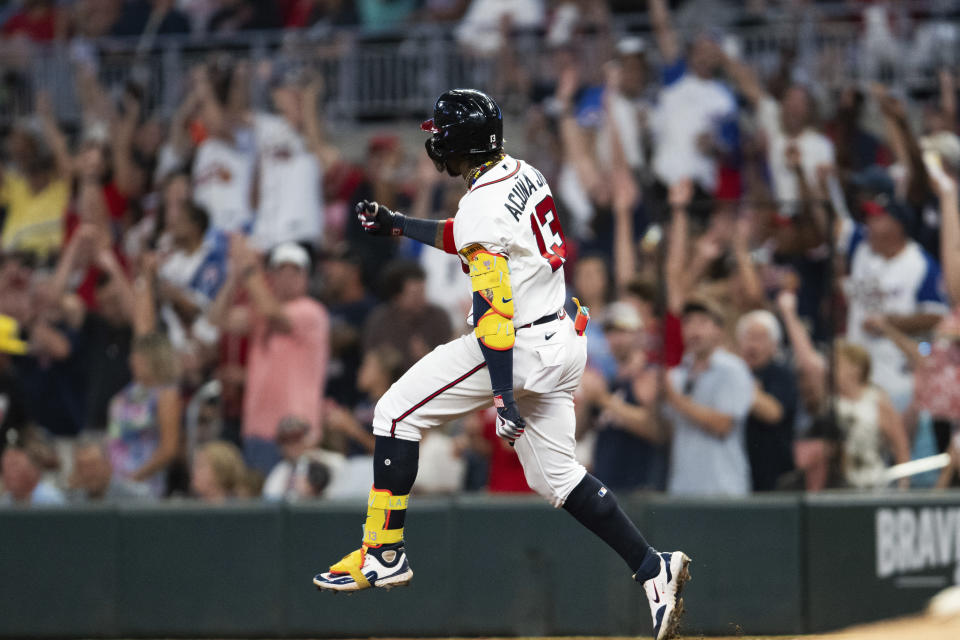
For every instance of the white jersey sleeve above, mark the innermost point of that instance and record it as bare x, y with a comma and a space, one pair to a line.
510, 211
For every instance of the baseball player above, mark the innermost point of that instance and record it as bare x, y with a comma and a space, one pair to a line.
524, 355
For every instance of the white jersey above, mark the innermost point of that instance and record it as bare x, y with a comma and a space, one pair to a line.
908, 283
222, 180
291, 204
511, 211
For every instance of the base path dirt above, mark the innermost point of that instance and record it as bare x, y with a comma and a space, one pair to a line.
912, 628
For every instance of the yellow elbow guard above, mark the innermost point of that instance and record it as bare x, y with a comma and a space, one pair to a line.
490, 277
495, 331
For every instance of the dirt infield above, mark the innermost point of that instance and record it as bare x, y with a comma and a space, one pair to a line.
912, 628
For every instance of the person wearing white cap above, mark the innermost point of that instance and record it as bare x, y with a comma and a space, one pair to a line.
289, 345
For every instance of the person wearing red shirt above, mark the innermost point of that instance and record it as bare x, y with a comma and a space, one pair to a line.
35, 21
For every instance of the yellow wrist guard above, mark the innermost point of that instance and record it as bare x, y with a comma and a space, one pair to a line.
490, 277
379, 506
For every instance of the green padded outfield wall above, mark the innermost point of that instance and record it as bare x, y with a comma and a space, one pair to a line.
58, 572
747, 564
883, 555
778, 565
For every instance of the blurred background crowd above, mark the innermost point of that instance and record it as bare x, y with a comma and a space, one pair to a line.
759, 201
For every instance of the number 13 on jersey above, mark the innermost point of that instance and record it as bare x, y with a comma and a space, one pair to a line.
545, 219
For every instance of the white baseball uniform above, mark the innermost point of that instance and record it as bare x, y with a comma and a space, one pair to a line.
509, 211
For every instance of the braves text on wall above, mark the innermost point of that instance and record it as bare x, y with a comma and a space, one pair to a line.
914, 540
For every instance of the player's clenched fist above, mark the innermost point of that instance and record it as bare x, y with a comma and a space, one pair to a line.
510, 425
377, 220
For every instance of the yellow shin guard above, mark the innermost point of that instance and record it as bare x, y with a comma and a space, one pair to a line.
379, 505
375, 533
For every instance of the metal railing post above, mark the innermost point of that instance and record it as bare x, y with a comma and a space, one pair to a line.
439, 63
173, 74
347, 84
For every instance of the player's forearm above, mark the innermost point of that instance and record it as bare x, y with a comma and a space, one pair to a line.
495, 334
493, 310
500, 367
433, 233
377, 219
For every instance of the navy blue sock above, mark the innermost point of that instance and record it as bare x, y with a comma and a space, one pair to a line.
596, 508
395, 464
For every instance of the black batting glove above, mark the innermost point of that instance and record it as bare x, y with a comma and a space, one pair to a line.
377, 220
510, 424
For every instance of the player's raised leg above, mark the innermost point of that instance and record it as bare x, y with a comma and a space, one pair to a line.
440, 387
546, 452
381, 560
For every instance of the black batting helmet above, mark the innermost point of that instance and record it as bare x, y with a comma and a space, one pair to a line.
465, 123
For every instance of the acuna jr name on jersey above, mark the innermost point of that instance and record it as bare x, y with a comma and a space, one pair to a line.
521, 192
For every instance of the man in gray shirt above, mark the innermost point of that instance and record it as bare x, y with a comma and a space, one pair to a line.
709, 396
93, 479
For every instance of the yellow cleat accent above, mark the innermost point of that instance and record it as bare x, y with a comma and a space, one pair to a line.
351, 564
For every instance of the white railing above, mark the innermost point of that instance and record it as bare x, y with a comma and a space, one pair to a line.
400, 74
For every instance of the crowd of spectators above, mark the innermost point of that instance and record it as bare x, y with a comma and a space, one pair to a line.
188, 309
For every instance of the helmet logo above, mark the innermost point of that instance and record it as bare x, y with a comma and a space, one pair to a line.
493, 139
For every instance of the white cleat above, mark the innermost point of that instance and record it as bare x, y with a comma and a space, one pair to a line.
663, 593
385, 566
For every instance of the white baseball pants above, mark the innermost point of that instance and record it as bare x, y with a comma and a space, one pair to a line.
452, 381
